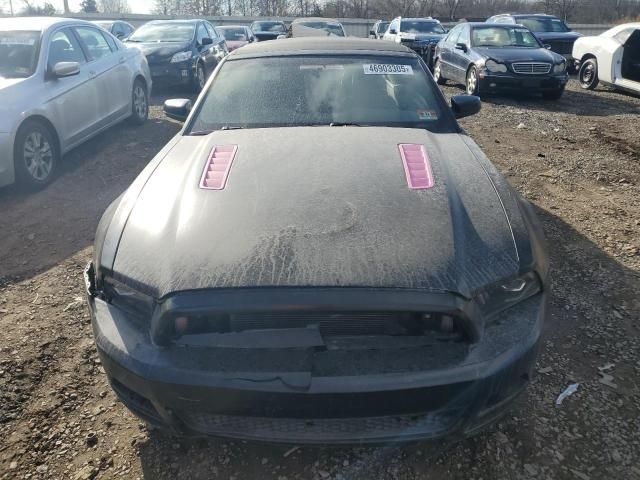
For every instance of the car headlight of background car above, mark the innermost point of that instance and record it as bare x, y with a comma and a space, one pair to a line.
181, 57
495, 67
560, 67
507, 293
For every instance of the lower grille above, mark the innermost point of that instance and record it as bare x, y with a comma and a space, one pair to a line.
531, 68
135, 402
318, 430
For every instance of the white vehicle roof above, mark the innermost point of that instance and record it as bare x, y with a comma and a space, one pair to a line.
619, 28
35, 23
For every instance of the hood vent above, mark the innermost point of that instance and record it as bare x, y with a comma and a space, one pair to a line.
217, 168
416, 166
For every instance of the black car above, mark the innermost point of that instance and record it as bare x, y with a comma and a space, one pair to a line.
180, 52
268, 30
550, 31
324, 257
119, 29
492, 57
419, 34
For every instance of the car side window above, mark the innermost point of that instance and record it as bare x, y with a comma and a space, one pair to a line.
127, 29
63, 47
201, 33
112, 43
395, 25
454, 35
94, 41
465, 36
210, 31
624, 35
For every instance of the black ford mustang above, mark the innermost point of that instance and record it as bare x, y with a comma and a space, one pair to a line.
325, 257
493, 57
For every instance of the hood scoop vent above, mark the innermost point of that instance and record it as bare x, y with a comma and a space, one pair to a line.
217, 168
417, 167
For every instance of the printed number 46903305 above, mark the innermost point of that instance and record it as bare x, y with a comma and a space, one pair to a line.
387, 69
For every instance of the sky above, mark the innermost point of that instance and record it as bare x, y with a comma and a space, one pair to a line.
137, 6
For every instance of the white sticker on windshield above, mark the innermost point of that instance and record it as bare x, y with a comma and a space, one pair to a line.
17, 41
387, 69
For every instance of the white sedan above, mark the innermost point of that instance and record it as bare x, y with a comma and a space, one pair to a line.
612, 58
62, 82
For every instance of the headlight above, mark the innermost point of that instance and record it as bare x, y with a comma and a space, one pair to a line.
560, 67
495, 67
181, 57
508, 292
139, 305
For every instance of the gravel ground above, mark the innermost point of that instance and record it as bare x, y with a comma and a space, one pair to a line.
577, 159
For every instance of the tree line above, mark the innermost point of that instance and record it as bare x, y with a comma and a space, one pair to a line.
588, 11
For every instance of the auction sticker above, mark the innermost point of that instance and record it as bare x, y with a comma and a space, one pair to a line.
427, 114
387, 69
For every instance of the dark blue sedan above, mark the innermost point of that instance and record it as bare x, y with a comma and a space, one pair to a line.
180, 52
491, 57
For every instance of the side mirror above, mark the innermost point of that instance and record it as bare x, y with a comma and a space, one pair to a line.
280, 37
547, 46
65, 69
465, 105
393, 31
177, 108
372, 33
207, 41
251, 39
462, 46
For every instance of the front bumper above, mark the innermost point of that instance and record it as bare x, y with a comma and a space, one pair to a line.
195, 391
181, 73
7, 174
510, 81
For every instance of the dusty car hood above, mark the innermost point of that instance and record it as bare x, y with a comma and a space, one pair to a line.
317, 206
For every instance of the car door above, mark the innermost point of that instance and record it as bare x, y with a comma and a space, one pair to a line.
72, 102
206, 52
110, 71
460, 57
446, 55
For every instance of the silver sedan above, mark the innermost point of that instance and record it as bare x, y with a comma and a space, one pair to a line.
62, 82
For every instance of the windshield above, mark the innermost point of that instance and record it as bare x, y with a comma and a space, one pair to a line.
275, 27
503, 37
320, 91
382, 27
163, 32
419, 26
539, 24
18, 53
234, 34
330, 28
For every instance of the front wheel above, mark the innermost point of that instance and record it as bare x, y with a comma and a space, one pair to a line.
553, 94
201, 78
588, 74
139, 103
36, 155
473, 82
437, 73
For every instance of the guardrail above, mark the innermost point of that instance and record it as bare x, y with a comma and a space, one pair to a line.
357, 27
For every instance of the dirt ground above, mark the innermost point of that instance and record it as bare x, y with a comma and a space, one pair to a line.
577, 159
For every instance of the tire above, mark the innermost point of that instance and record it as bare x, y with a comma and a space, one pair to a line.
200, 78
437, 73
36, 156
139, 103
472, 84
588, 74
553, 94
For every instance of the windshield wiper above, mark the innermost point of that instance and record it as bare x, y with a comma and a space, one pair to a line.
344, 124
230, 127
200, 133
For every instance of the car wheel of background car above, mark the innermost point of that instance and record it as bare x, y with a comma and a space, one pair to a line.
553, 94
201, 77
437, 73
473, 83
588, 74
140, 103
35, 155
